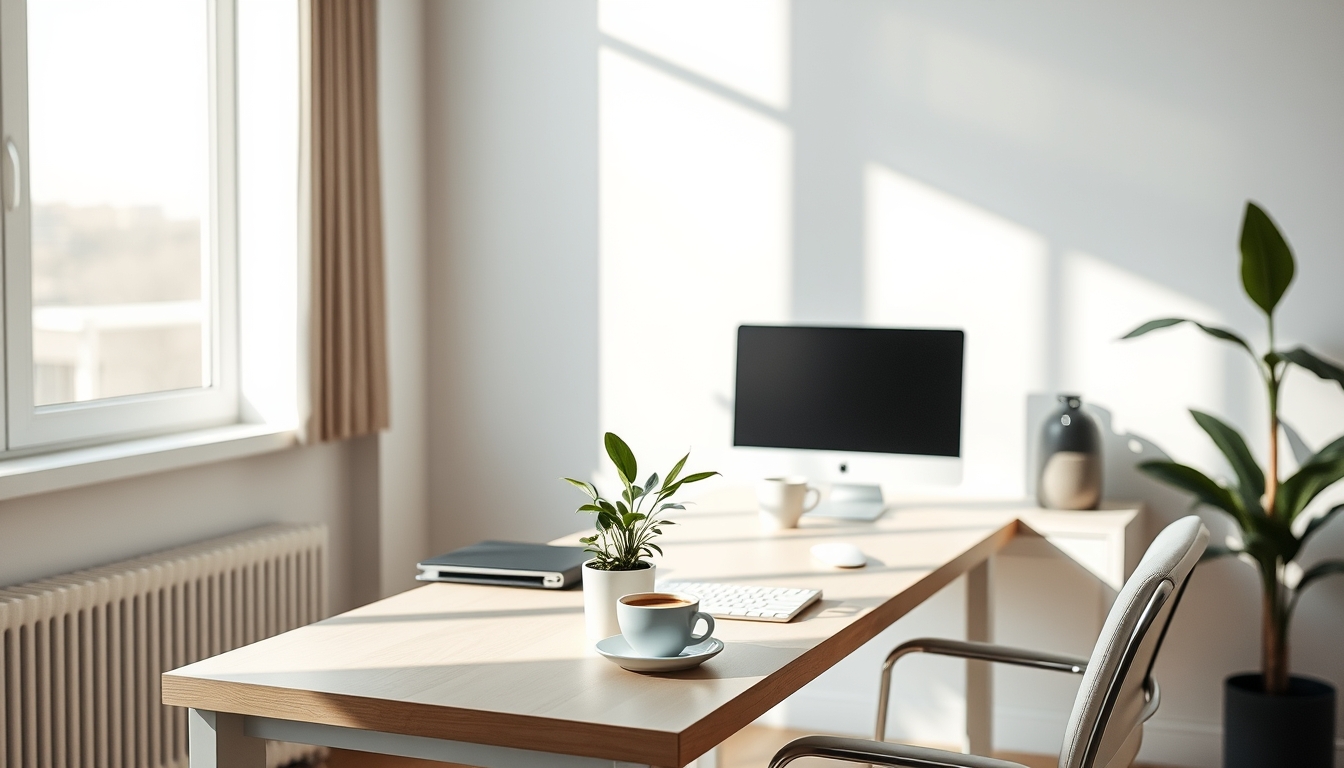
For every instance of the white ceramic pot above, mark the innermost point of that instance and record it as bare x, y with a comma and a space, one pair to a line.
601, 590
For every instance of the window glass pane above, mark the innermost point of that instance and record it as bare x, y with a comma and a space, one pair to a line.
119, 126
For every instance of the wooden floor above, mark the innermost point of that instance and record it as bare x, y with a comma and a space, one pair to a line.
752, 747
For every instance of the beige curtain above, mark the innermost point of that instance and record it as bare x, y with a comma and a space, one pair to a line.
347, 333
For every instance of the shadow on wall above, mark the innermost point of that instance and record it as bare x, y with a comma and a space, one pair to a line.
1122, 453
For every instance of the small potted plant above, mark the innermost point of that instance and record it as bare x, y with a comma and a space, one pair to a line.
1271, 718
626, 528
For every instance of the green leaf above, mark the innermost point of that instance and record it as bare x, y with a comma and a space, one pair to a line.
587, 488
1320, 571
589, 508
676, 470
605, 520
1336, 447
654, 547
620, 507
1250, 478
1266, 261
1270, 539
1196, 482
1319, 366
1295, 493
1214, 331
652, 483
622, 457
697, 477
1317, 523
670, 505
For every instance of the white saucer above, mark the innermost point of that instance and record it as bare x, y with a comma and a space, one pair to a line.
618, 650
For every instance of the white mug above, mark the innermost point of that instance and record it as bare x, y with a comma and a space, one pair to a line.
783, 500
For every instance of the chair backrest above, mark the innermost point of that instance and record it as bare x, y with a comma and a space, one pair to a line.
1117, 694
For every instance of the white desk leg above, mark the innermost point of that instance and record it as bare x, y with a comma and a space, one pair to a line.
216, 740
979, 679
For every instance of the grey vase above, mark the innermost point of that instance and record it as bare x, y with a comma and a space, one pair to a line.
1069, 475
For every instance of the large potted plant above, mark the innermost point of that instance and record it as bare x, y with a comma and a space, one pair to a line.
623, 545
1270, 718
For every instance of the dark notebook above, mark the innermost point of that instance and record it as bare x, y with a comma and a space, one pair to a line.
508, 563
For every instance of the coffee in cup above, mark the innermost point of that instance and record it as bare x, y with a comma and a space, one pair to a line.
783, 500
661, 623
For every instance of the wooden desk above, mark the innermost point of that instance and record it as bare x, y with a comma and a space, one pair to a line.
503, 678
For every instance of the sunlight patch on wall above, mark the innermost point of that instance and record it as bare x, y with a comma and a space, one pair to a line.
743, 45
694, 222
1077, 118
1150, 382
935, 261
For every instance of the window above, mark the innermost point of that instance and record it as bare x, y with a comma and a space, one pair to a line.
119, 234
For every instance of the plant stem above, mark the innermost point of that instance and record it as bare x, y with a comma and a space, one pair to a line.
1272, 470
1274, 638
1274, 621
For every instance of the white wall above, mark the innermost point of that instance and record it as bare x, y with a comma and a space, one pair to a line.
513, 317
403, 482
1044, 174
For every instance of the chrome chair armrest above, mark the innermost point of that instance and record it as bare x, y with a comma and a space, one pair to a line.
880, 753
966, 649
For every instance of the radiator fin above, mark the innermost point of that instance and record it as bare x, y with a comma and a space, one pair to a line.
81, 654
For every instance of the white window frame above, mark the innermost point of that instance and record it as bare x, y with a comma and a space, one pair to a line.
28, 428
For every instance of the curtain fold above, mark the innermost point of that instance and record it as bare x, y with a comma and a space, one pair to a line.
348, 388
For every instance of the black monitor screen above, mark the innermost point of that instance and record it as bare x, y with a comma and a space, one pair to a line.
876, 390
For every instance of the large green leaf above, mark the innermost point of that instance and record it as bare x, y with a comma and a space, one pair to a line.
622, 457
1266, 261
1214, 331
1270, 539
1295, 493
1320, 571
1317, 365
1250, 478
1335, 447
1196, 482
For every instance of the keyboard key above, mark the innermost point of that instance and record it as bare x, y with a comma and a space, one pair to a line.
746, 602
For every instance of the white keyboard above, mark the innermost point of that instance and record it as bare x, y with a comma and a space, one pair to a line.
738, 601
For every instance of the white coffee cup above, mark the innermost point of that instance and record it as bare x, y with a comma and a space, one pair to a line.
783, 500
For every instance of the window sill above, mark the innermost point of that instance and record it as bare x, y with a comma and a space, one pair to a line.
76, 467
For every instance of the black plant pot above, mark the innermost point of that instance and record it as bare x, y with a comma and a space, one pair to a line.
1263, 731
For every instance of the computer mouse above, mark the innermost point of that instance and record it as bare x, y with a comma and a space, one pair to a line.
838, 554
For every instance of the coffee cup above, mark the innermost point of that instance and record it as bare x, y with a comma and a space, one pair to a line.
783, 500
661, 623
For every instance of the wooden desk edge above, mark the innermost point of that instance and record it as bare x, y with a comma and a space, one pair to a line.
636, 745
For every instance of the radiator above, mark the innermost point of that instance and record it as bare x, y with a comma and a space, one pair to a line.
82, 652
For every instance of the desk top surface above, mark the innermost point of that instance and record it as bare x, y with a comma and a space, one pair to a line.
512, 667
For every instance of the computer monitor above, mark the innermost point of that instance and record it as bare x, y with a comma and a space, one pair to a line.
858, 407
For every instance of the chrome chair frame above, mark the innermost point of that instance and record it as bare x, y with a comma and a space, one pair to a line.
904, 756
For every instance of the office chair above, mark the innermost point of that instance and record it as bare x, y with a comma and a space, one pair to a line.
1117, 694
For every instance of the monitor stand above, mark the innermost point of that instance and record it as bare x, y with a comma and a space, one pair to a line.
852, 502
